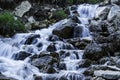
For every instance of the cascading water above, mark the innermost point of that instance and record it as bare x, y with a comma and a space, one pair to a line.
23, 70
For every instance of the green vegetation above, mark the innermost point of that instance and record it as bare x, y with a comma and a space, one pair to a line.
69, 2
8, 25
59, 15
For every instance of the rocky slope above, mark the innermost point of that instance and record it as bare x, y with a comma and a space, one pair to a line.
101, 55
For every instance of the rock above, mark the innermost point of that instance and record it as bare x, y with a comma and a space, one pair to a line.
46, 62
90, 70
99, 27
108, 74
93, 52
82, 44
114, 12
117, 53
64, 31
118, 63
106, 2
115, 40
31, 19
22, 8
71, 76
31, 38
84, 63
104, 60
115, 1
51, 69
21, 55
54, 38
97, 78
51, 47
102, 12
78, 31
62, 66
37, 77
73, 7
6, 4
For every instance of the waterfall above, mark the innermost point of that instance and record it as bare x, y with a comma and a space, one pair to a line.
23, 70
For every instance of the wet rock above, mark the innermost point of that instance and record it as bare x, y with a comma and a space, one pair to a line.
84, 63
78, 31
99, 27
63, 54
46, 62
82, 44
75, 17
62, 66
71, 76
93, 52
21, 55
30, 39
51, 69
102, 12
90, 70
73, 7
104, 60
54, 38
37, 77
114, 12
118, 63
22, 8
115, 1
98, 78
65, 31
39, 45
51, 47
108, 74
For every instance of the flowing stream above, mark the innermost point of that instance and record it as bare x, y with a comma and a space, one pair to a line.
23, 70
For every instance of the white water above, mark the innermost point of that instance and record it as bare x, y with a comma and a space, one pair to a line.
22, 70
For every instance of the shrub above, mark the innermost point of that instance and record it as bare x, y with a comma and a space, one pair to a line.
8, 25
59, 15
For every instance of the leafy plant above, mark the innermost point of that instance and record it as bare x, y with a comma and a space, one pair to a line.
9, 25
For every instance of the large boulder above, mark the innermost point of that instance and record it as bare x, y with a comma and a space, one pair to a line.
65, 31
93, 52
22, 8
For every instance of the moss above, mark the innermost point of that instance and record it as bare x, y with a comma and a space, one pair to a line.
8, 25
59, 15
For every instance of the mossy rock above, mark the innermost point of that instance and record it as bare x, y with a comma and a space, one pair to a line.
9, 25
